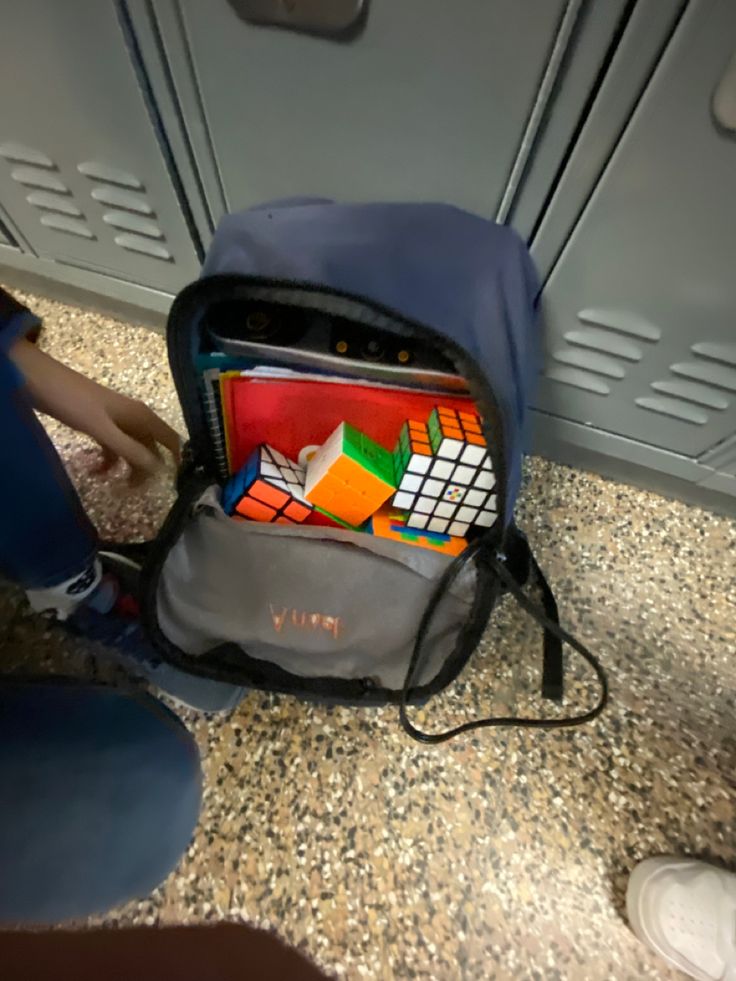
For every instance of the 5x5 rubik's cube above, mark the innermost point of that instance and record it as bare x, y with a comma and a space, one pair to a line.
444, 475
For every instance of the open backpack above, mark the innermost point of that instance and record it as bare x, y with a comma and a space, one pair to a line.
310, 315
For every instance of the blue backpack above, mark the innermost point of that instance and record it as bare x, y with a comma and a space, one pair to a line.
325, 611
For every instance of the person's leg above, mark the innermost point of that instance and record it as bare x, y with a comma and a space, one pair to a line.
99, 796
45, 536
47, 542
48, 546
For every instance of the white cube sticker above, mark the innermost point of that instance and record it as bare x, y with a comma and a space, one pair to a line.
441, 469
417, 521
438, 524
463, 475
450, 449
485, 479
473, 454
409, 482
404, 500
433, 487
419, 463
476, 498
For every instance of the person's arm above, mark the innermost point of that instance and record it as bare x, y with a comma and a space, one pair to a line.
123, 427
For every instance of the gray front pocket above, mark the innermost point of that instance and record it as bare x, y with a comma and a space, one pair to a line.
316, 602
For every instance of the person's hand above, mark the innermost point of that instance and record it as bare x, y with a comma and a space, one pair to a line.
123, 427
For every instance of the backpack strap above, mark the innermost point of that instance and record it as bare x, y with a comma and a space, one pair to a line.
513, 569
523, 566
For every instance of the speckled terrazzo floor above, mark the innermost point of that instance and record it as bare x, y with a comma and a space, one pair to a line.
499, 856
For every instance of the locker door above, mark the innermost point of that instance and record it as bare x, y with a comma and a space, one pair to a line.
640, 307
429, 100
81, 171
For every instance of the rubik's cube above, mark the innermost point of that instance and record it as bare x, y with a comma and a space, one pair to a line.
350, 476
444, 474
268, 487
392, 524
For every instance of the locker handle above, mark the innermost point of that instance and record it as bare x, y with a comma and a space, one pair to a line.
724, 99
337, 19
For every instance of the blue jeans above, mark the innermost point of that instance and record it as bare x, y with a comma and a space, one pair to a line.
45, 536
99, 796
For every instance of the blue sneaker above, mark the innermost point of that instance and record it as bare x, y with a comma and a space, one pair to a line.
110, 618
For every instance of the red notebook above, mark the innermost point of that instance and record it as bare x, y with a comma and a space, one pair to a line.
291, 414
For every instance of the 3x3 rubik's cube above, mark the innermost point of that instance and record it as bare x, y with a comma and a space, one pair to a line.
269, 487
440, 477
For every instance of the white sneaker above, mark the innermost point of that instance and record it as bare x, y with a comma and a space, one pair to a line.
685, 911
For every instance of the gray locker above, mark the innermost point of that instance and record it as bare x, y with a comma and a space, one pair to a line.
428, 100
82, 173
641, 328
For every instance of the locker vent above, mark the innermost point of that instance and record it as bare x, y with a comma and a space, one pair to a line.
700, 384
131, 214
62, 223
17, 153
47, 192
53, 202
675, 408
578, 379
725, 353
621, 321
602, 348
596, 339
118, 198
601, 364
